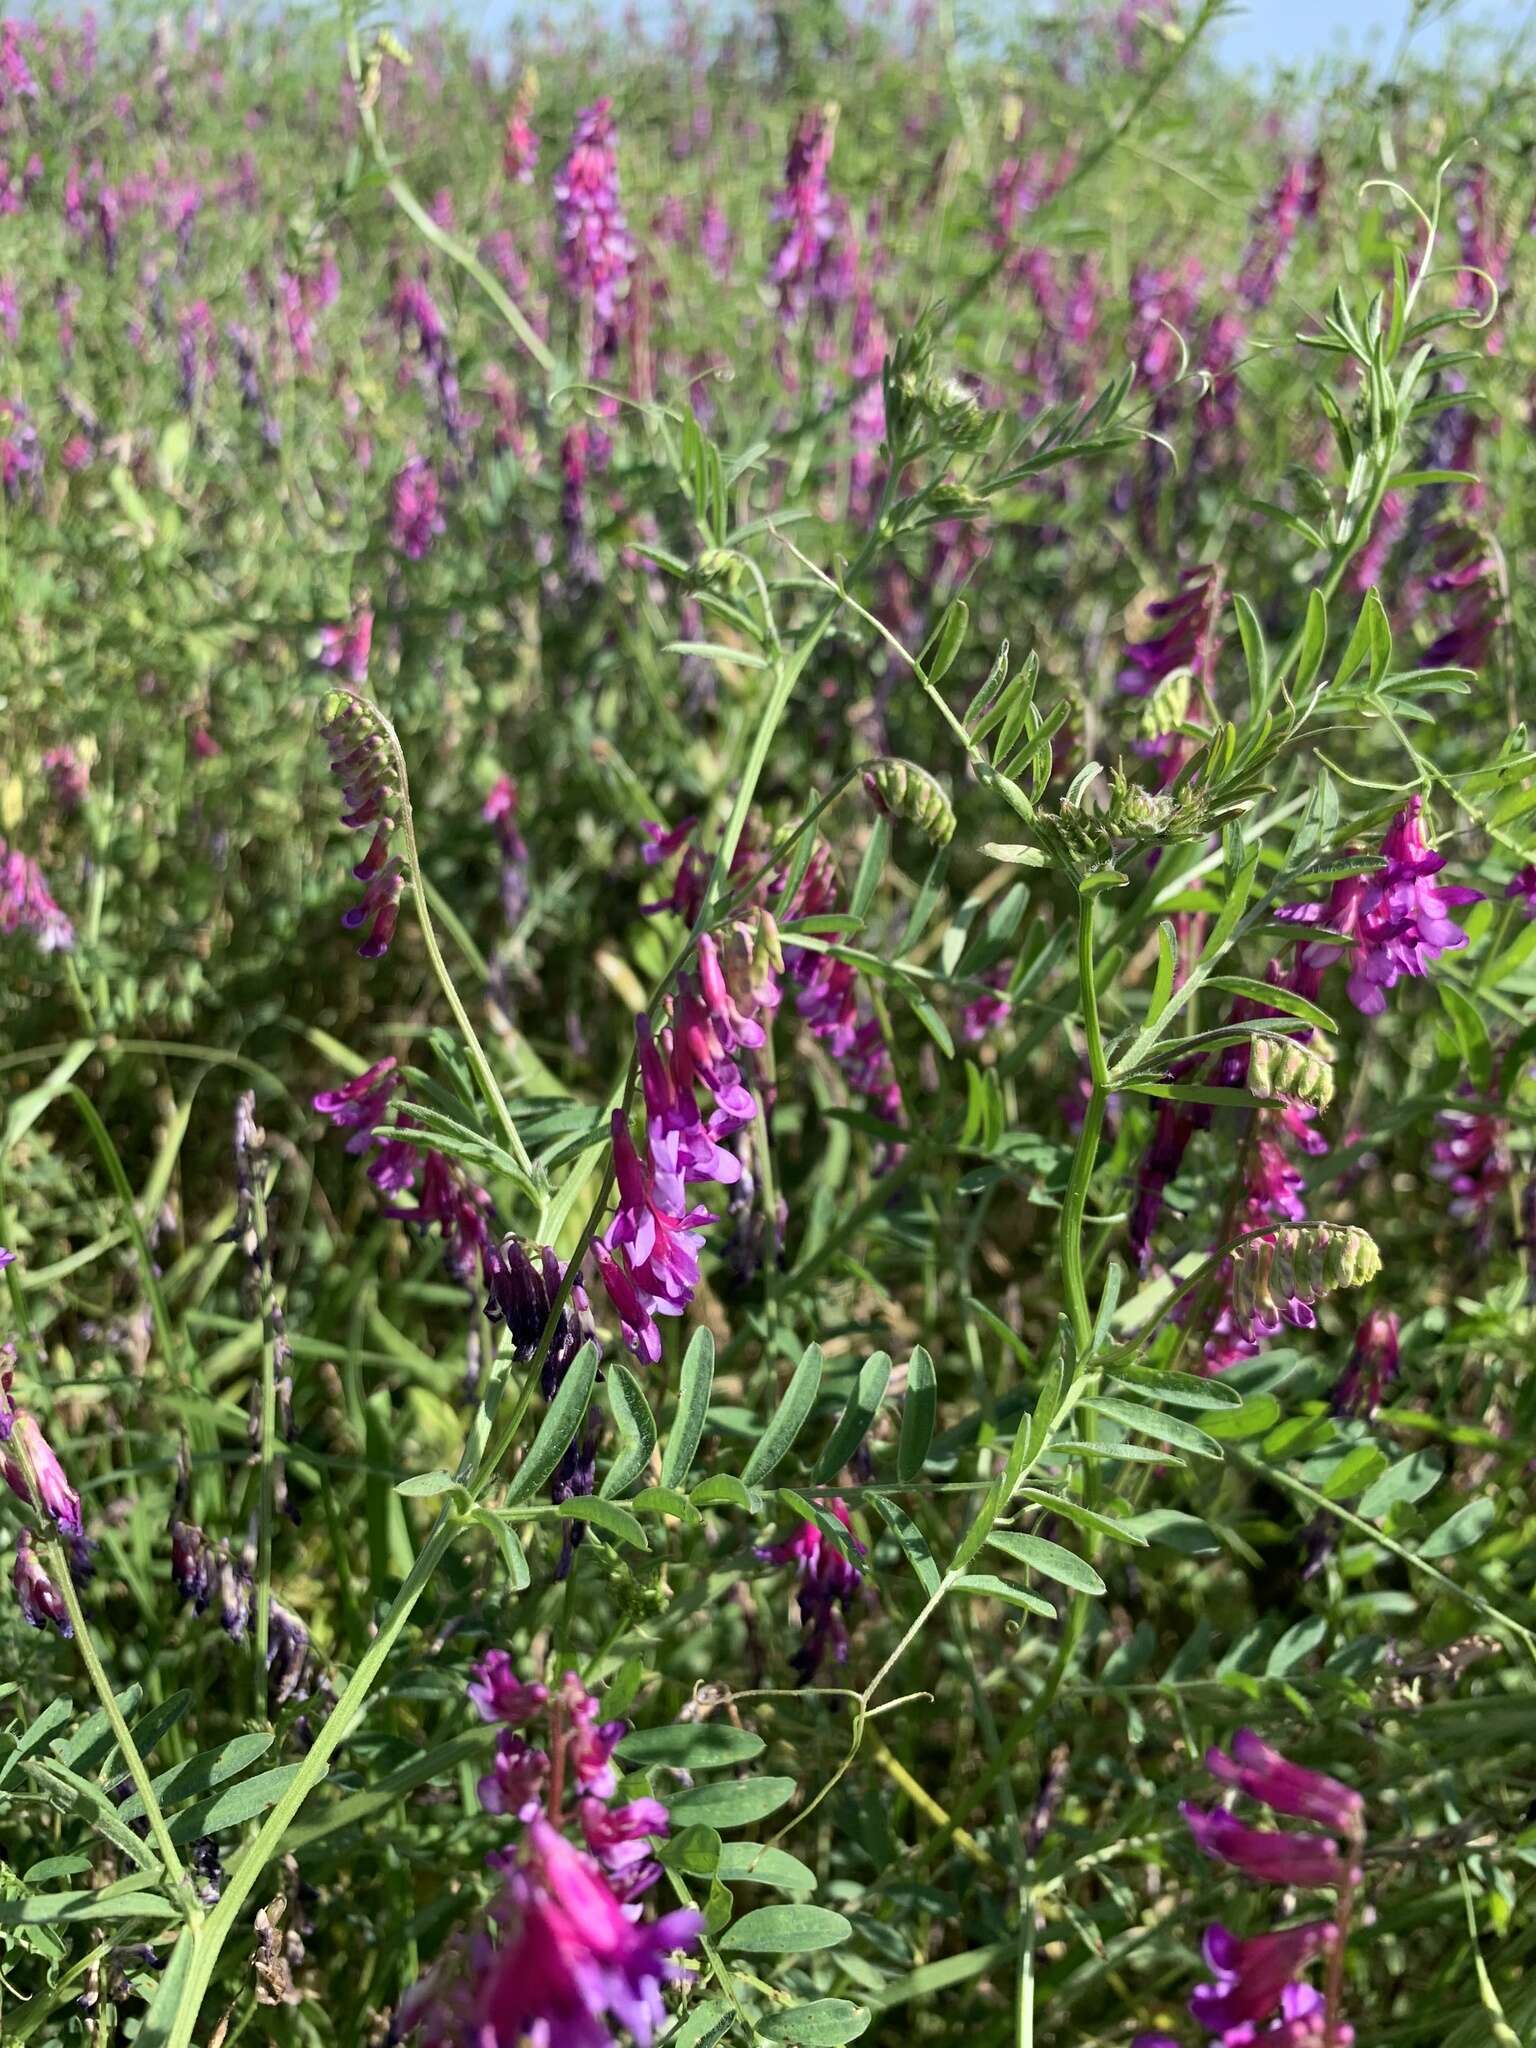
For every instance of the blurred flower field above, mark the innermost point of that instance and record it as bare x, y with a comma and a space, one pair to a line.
768, 902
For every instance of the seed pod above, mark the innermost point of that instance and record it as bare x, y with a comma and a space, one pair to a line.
903, 790
1286, 1070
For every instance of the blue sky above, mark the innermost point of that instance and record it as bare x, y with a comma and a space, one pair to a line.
1293, 31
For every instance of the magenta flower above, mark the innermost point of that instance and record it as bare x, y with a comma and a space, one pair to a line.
1263, 1773
347, 647
658, 1234
1263, 1853
39, 1598
827, 1583
1399, 918
415, 520
1372, 1367
26, 903
498, 1694
595, 249
55, 1495
515, 1783
570, 1963
809, 218
361, 1104
589, 1743
1253, 1976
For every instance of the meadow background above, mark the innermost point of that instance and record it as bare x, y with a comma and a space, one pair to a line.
866, 587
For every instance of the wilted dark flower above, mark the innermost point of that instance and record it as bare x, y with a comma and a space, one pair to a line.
39, 1598
1372, 1366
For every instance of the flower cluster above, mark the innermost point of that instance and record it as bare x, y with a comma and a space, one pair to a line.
27, 905
31, 1469
500, 811
1398, 918
1257, 1996
596, 252
443, 1195
565, 1958
362, 758
648, 1258
415, 519
827, 1582
346, 648
1372, 1367
804, 208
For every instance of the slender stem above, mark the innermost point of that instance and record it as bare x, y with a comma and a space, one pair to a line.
1088, 988
494, 1100
1074, 1204
209, 1939
425, 225
266, 1504
159, 1314
59, 1572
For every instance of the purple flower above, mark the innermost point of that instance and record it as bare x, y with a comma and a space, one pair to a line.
1274, 230
1372, 1367
26, 903
347, 647
1263, 1773
1399, 917
1181, 635
1467, 567
39, 1598
633, 1309
361, 1104
1253, 1976
1522, 889
360, 757
515, 1783
672, 1111
570, 1963
21, 453
590, 1743
498, 1694
619, 1837
415, 521
595, 250
55, 1495
805, 208
1471, 1155
657, 1232
1263, 1853
500, 810
827, 1582
69, 778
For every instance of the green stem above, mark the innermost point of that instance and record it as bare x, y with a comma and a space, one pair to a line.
1074, 1204
473, 1049
147, 1274
59, 1572
209, 1939
426, 226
